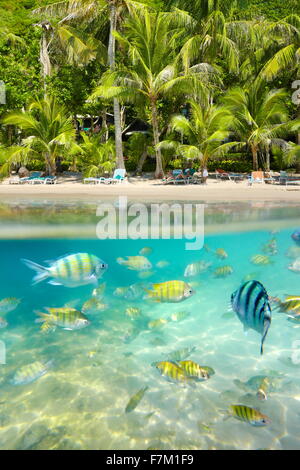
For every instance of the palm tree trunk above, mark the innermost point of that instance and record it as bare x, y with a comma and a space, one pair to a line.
159, 172
111, 62
141, 162
104, 136
268, 158
254, 157
50, 165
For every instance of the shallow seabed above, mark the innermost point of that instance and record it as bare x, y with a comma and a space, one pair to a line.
80, 403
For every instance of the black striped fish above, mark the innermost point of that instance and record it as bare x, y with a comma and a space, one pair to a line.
251, 304
70, 271
248, 415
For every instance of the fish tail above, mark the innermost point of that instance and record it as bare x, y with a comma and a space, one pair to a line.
42, 272
120, 260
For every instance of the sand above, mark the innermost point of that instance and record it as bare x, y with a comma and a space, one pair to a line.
153, 190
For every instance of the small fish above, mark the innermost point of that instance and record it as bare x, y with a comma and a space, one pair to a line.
270, 248
91, 354
162, 264
133, 312
180, 354
120, 291
3, 323
293, 252
145, 274
196, 268
98, 292
192, 369
263, 388
179, 316
223, 271
8, 305
248, 415
66, 318
145, 251
291, 304
261, 260
250, 277
135, 263
133, 292
70, 271
170, 291
251, 304
135, 400
296, 237
295, 266
92, 306
154, 324
31, 372
172, 371
221, 253
204, 428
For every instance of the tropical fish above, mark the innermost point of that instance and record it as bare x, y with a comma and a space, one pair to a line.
248, 415
3, 323
31, 372
71, 271
146, 250
135, 400
98, 292
172, 371
145, 274
133, 292
263, 388
179, 316
192, 369
251, 304
170, 291
92, 306
8, 305
66, 318
135, 263
270, 248
293, 252
296, 237
162, 264
133, 312
180, 354
221, 253
291, 304
261, 260
157, 323
120, 291
204, 428
223, 271
250, 277
196, 268
295, 266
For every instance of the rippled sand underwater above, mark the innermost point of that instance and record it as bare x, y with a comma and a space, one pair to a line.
80, 403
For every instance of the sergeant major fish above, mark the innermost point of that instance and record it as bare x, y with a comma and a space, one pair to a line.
71, 271
8, 305
135, 263
251, 304
170, 291
31, 372
196, 268
135, 400
66, 318
248, 415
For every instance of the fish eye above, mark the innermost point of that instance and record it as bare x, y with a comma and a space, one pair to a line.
102, 266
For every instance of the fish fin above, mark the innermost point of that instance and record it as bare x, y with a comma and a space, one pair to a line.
246, 329
42, 272
266, 327
121, 261
94, 280
43, 317
47, 327
54, 283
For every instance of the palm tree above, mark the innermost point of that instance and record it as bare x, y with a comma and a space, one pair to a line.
259, 115
47, 128
95, 157
103, 10
206, 130
151, 42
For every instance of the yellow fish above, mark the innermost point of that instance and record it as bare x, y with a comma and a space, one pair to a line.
192, 369
145, 251
133, 312
172, 371
157, 323
179, 316
135, 263
66, 318
261, 260
170, 291
135, 400
223, 271
221, 253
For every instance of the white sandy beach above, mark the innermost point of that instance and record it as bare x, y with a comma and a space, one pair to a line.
153, 190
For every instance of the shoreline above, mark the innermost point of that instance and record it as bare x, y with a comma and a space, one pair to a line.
151, 190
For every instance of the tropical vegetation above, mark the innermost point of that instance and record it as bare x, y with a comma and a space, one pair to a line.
149, 85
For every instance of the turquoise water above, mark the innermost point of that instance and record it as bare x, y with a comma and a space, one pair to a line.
80, 402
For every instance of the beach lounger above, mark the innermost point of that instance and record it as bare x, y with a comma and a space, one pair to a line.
177, 177
97, 180
43, 180
118, 176
256, 177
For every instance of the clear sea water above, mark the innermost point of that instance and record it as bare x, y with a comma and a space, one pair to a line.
80, 403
